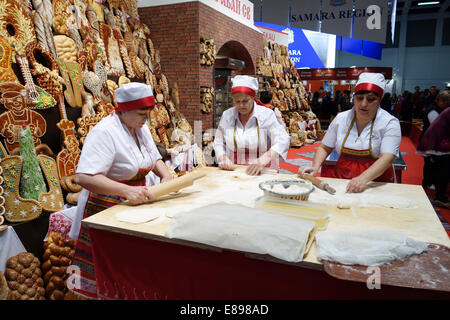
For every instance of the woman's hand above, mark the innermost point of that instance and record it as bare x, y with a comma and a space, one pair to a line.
137, 194
309, 170
255, 168
356, 185
225, 163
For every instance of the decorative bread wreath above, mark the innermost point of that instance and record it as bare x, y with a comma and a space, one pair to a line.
16, 26
47, 76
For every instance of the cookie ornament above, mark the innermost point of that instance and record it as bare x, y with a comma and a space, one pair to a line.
17, 209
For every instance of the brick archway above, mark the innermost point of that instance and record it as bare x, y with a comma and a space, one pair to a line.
236, 50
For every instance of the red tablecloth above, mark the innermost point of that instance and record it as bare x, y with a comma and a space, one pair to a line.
129, 267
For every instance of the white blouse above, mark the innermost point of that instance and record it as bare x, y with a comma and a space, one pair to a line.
386, 133
272, 135
110, 149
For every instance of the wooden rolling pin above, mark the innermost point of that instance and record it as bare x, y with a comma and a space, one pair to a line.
176, 184
318, 183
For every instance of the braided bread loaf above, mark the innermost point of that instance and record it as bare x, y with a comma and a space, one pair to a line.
57, 257
4, 290
23, 276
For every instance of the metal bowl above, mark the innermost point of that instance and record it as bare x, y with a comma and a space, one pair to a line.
269, 187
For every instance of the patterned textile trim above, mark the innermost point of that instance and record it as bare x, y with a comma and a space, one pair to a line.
83, 253
356, 152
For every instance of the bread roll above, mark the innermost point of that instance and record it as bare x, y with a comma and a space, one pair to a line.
55, 264
23, 277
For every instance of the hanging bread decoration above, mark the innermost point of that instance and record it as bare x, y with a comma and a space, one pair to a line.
87, 122
57, 257
47, 77
112, 50
162, 117
163, 137
44, 33
17, 209
207, 51
2, 198
131, 7
96, 83
12, 120
67, 159
16, 26
71, 72
24, 277
206, 99
154, 134
51, 201
164, 84
6, 72
61, 14
65, 48
123, 80
124, 53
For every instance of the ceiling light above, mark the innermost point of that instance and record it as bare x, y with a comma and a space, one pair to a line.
428, 3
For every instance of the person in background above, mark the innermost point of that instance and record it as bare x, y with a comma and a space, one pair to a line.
249, 133
327, 106
398, 106
366, 137
406, 113
315, 105
346, 104
117, 155
431, 97
441, 103
266, 98
416, 101
435, 145
386, 102
337, 103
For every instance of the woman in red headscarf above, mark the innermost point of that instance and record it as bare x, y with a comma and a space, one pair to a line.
117, 155
249, 133
366, 137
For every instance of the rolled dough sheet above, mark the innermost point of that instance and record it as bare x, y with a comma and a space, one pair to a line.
139, 215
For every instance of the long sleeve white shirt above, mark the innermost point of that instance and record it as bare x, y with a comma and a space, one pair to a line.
272, 135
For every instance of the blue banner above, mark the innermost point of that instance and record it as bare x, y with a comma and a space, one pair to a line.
301, 51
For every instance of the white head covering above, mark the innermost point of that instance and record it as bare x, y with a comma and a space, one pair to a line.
134, 95
369, 81
247, 85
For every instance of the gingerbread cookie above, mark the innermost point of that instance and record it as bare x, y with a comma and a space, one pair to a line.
17, 209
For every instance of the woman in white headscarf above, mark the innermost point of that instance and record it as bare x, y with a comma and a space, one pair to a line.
249, 133
366, 137
117, 155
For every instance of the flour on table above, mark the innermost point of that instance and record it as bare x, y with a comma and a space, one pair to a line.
386, 201
291, 189
139, 215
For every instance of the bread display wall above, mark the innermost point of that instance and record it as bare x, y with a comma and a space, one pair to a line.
79, 52
278, 75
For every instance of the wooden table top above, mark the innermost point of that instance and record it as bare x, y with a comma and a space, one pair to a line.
413, 216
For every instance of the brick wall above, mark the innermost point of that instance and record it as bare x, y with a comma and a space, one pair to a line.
175, 32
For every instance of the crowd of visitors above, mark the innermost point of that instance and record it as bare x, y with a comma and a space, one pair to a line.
405, 106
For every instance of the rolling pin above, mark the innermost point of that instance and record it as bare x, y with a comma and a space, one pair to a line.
176, 184
318, 183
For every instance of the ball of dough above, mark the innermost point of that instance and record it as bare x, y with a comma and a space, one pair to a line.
343, 204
